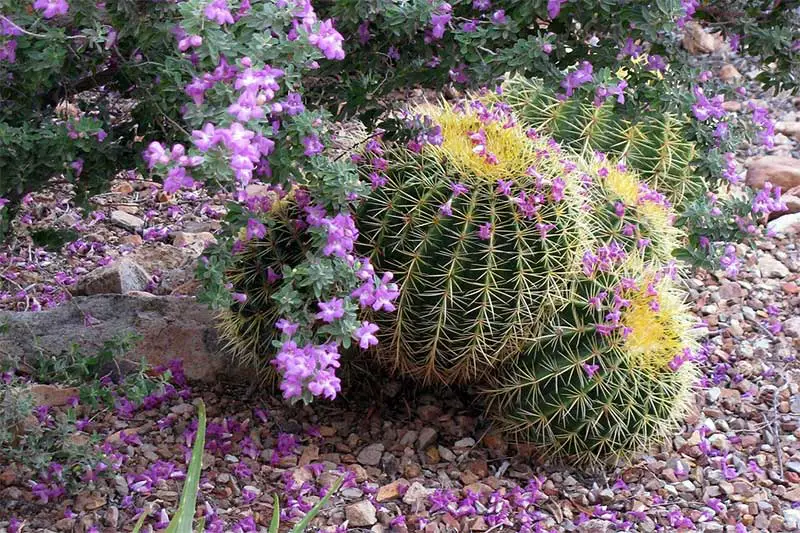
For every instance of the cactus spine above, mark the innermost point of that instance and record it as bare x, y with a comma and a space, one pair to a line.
248, 328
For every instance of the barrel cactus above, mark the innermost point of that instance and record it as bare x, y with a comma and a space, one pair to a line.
248, 326
612, 373
618, 210
479, 230
655, 146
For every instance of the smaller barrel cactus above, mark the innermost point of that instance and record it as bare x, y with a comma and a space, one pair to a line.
248, 326
618, 210
611, 375
655, 146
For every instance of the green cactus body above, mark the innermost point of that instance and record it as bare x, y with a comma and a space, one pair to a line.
468, 295
616, 207
248, 328
654, 147
589, 391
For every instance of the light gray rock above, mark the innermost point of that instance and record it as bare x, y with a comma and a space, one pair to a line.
169, 327
361, 514
771, 267
416, 493
371, 455
120, 277
127, 221
785, 225
792, 327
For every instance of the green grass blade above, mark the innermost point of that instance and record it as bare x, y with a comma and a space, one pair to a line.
276, 515
182, 521
303, 524
139, 523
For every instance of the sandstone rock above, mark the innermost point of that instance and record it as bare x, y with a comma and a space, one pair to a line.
122, 187
781, 171
771, 267
126, 220
731, 106
201, 240
130, 209
89, 501
729, 73
53, 395
427, 437
391, 491
791, 327
160, 257
361, 514
697, 41
730, 291
791, 199
793, 495
788, 128
120, 277
170, 328
174, 266
785, 225
132, 240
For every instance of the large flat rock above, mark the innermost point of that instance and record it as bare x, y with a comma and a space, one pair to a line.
170, 327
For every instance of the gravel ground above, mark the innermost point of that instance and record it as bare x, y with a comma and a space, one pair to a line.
417, 460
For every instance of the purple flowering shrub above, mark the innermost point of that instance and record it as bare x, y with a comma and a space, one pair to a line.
626, 54
252, 133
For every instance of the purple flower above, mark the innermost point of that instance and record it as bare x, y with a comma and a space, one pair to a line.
577, 78
255, 229
51, 8
554, 7
656, 63
313, 145
218, 11
439, 20
328, 40
458, 189
481, 5
590, 369
365, 335
485, 231
330, 310
499, 17
342, 234
504, 186
630, 49
446, 208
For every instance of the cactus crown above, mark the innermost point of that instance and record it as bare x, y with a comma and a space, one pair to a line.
481, 142
480, 234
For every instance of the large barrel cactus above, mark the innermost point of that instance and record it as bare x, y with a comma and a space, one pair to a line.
480, 232
611, 375
655, 146
484, 231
